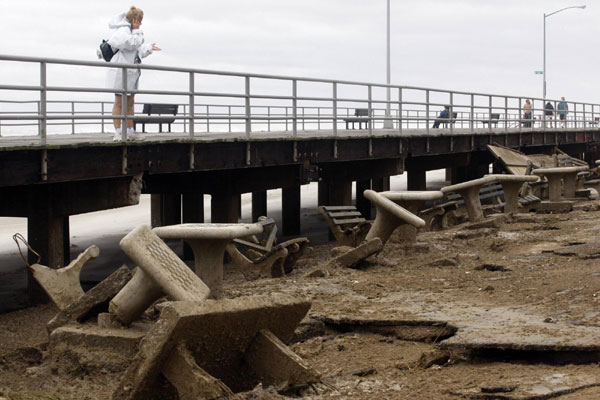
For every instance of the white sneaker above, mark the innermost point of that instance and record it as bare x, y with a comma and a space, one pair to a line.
117, 135
133, 135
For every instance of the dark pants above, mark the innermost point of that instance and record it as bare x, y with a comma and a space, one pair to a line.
527, 124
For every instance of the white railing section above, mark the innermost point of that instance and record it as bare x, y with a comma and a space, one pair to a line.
255, 103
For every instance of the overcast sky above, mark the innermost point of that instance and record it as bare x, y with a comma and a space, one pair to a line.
490, 46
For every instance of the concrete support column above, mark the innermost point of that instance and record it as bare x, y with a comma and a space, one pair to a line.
416, 179
381, 184
224, 207
323, 193
165, 209
46, 235
259, 204
192, 212
290, 210
362, 204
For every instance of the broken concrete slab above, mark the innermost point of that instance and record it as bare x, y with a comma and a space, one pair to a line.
93, 301
554, 207
275, 364
217, 333
494, 221
63, 285
86, 348
583, 251
351, 258
191, 381
160, 271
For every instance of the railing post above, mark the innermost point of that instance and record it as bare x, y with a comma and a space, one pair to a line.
268, 118
318, 118
400, 110
505, 114
451, 112
248, 111
334, 109
124, 105
229, 120
490, 112
191, 104
294, 108
43, 103
472, 119
102, 113
426, 111
370, 105
520, 115
583, 126
73, 119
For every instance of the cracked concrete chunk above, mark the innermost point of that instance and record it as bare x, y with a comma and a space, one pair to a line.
354, 256
93, 301
583, 251
62, 285
217, 334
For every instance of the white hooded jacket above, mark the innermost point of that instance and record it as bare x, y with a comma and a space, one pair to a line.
130, 43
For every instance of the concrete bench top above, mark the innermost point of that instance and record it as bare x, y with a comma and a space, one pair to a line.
393, 208
467, 185
413, 195
513, 178
207, 231
559, 170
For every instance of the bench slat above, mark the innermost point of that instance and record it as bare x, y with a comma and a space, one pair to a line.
345, 214
339, 208
347, 221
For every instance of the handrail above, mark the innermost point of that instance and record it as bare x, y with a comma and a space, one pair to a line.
292, 111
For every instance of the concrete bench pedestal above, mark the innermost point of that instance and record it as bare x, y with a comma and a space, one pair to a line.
511, 185
208, 242
469, 191
389, 216
568, 175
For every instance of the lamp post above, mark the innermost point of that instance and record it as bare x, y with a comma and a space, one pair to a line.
387, 124
546, 16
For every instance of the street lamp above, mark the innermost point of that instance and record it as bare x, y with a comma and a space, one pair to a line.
546, 16
387, 124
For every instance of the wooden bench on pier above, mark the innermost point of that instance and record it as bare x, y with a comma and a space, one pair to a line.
346, 223
157, 109
360, 115
494, 118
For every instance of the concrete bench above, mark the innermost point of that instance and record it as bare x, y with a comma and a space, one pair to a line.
389, 216
361, 115
156, 109
511, 185
413, 201
469, 191
346, 224
208, 241
568, 175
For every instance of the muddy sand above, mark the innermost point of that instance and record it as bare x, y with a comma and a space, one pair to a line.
507, 312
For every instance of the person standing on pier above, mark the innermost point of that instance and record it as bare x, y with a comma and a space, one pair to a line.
128, 42
527, 114
563, 109
548, 114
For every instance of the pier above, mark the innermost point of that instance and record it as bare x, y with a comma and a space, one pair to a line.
258, 132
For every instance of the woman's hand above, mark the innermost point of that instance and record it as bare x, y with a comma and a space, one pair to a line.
155, 47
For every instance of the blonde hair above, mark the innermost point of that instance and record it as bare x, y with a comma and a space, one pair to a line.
134, 14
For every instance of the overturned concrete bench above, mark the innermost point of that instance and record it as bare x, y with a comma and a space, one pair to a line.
389, 216
208, 241
469, 191
262, 256
413, 201
216, 348
160, 272
568, 175
346, 223
511, 185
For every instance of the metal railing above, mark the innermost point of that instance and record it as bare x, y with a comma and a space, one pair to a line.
306, 104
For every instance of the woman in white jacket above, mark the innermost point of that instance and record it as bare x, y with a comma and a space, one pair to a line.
129, 41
